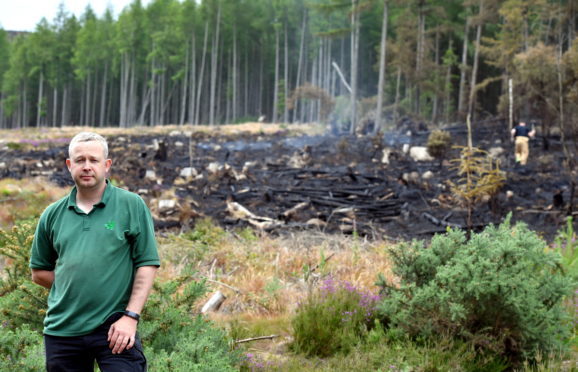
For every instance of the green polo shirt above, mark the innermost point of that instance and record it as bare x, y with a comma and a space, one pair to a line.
94, 257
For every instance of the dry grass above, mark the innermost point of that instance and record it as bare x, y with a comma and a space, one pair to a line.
26, 198
264, 277
8, 135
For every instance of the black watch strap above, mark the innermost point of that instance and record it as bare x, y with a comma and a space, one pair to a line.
132, 314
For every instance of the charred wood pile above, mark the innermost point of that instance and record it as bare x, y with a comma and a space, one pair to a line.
378, 187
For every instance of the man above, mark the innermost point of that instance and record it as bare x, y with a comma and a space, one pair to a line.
522, 134
95, 250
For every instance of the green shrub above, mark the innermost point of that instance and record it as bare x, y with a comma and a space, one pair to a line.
21, 349
21, 301
566, 244
178, 340
198, 348
15, 246
175, 339
502, 291
333, 319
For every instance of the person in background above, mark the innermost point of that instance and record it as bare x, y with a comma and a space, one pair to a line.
521, 135
95, 250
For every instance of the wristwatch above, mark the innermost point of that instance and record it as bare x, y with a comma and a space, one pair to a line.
132, 314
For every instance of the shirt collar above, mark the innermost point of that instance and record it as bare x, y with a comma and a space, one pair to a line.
101, 203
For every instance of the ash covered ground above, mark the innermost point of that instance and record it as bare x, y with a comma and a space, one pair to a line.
338, 184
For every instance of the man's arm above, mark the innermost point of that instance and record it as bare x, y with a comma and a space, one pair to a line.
44, 278
121, 334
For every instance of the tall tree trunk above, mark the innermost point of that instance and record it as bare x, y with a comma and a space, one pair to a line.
448, 87
192, 81
571, 23
54, 106
94, 96
201, 73
382, 68
131, 116
65, 115
463, 69
300, 64
184, 88
229, 88
276, 82
124, 89
235, 72
82, 103
420, 53
214, 67
103, 97
397, 96
220, 85
88, 99
246, 84
261, 85
40, 96
435, 104
473, 80
286, 75
354, 61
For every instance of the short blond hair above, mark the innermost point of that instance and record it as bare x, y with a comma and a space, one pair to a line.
88, 137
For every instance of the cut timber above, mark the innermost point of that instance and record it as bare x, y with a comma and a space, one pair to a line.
439, 222
290, 213
256, 339
214, 302
238, 211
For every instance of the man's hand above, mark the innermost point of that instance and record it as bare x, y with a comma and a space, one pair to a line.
122, 334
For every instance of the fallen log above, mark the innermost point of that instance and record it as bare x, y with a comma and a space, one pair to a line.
240, 212
439, 222
290, 213
256, 339
214, 302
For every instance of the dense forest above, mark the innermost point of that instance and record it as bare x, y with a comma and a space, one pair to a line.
343, 61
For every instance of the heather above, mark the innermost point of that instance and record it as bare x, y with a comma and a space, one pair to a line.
333, 318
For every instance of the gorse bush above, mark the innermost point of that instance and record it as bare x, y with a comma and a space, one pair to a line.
501, 291
333, 319
177, 339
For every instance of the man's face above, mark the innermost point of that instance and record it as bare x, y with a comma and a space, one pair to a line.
87, 165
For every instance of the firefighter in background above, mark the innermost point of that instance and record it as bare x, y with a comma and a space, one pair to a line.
521, 134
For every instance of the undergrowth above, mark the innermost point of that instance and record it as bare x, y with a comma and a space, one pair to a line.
446, 285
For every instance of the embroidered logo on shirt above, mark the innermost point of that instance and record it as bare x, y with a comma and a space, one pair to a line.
109, 225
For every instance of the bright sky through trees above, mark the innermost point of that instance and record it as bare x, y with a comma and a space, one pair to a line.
23, 15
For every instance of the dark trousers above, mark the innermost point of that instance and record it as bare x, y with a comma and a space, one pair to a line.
78, 354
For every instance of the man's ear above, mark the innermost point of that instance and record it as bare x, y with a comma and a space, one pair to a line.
68, 164
108, 164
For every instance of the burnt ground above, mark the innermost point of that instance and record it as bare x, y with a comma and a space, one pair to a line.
281, 181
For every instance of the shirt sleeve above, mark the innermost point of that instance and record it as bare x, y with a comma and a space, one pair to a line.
43, 255
144, 246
